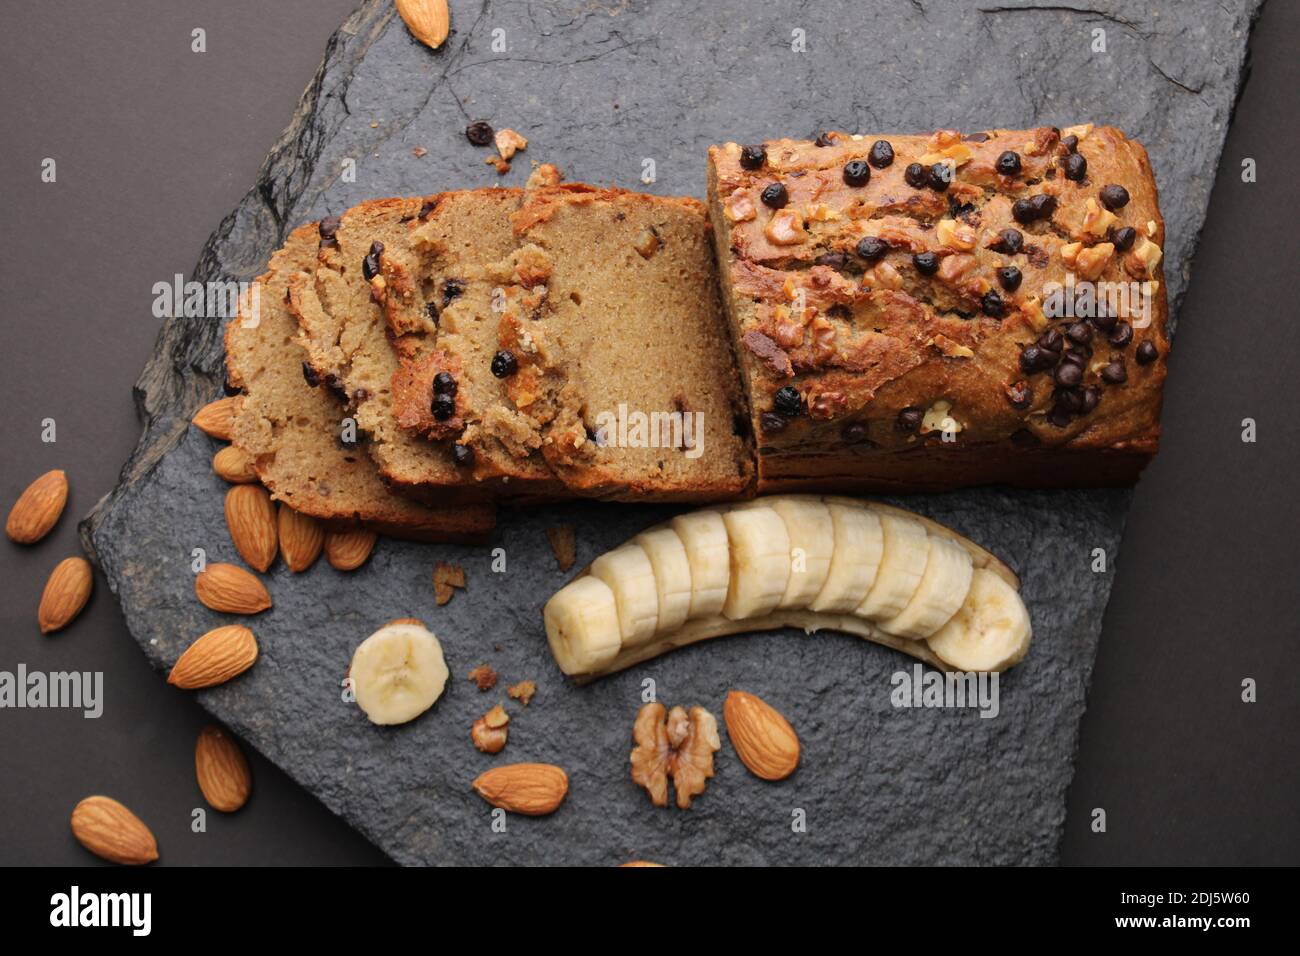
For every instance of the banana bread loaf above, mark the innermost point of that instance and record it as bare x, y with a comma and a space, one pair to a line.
923, 312
293, 430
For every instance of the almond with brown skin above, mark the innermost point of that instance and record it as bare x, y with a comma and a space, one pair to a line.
66, 593
215, 658
222, 770
532, 789
111, 831
217, 419
38, 508
234, 465
230, 589
348, 550
764, 740
250, 516
632, 863
428, 20
301, 539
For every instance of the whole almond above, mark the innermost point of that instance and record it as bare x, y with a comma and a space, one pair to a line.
348, 550
216, 657
428, 20
533, 789
38, 508
231, 589
111, 831
764, 740
66, 593
301, 539
250, 516
234, 465
217, 419
221, 769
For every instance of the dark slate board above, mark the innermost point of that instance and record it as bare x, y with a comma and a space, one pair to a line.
597, 87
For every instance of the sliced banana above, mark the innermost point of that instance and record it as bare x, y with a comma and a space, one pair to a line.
989, 632
582, 625
630, 575
760, 561
672, 572
704, 536
942, 590
906, 551
398, 672
859, 544
812, 546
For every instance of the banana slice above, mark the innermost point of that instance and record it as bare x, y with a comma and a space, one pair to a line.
942, 590
582, 625
398, 672
989, 632
630, 575
906, 551
672, 571
760, 561
704, 536
859, 544
812, 546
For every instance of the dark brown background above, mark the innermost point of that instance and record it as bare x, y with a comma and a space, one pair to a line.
155, 144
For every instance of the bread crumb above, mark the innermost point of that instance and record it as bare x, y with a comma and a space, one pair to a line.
545, 174
502, 166
484, 676
509, 142
419, 152
564, 543
523, 691
447, 577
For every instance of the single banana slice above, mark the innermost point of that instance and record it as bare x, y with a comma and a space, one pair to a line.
859, 544
704, 536
582, 625
630, 575
398, 672
906, 551
942, 590
989, 632
672, 571
760, 561
812, 546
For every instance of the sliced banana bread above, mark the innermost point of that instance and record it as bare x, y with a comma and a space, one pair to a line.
293, 430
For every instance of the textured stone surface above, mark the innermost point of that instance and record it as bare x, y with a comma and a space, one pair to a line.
599, 88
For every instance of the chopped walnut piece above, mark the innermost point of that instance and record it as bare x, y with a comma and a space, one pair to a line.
1096, 219
955, 235
547, 174
523, 691
954, 267
447, 577
502, 165
563, 539
674, 744
1032, 311
938, 419
1091, 262
948, 347
740, 207
1070, 252
509, 142
883, 276
490, 731
647, 244
1141, 262
484, 676
785, 228
1078, 132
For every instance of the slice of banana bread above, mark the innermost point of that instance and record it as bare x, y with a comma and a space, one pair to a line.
293, 431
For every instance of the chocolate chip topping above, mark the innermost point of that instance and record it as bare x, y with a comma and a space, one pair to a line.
826, 138
771, 422
1121, 335
1104, 320
927, 263
1076, 167
309, 374
909, 419
1124, 238
444, 406
1009, 242
1010, 278
1052, 340
872, 249
881, 155
787, 401
835, 260
993, 305
1068, 374
370, 264
1115, 373
480, 132
915, 175
1079, 332
775, 196
425, 210
335, 386
1071, 142
1114, 197
1091, 396
1035, 358
753, 157
504, 364
940, 177
1147, 353
328, 227
854, 433
462, 455
444, 383
452, 289
857, 173
1008, 163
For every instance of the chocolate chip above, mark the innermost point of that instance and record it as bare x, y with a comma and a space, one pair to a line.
1114, 373
1020, 395
310, 375
872, 249
1008, 164
452, 289
504, 364
444, 383
1071, 399
825, 139
927, 263
360, 395
881, 155
1052, 340
976, 137
787, 401
328, 227
1009, 242
480, 132
334, 385
940, 177
909, 419
1078, 354
1114, 197
444, 406
1091, 396
462, 455
771, 422
370, 264
1022, 210
431, 310
1104, 320
1071, 143
1010, 278
429, 206
1147, 353
775, 195
856, 173
836, 260
229, 388
1044, 205
1068, 374
1124, 238
753, 157
915, 175
1121, 335
993, 305
854, 433
1034, 358
1079, 332
1059, 416
1076, 167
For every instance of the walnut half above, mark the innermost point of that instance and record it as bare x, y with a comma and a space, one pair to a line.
673, 743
